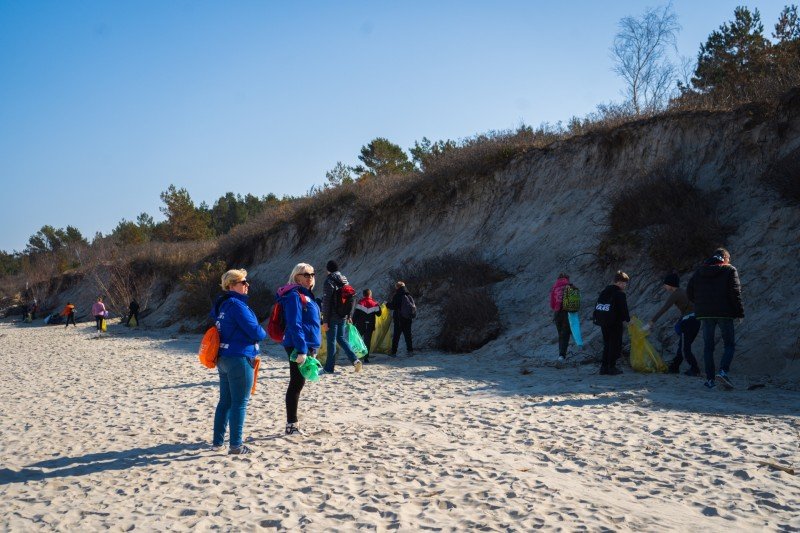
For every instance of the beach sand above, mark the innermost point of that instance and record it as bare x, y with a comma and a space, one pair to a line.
114, 433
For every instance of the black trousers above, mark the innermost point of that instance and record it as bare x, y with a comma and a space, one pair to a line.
689, 327
561, 318
71, 318
365, 330
98, 319
402, 325
612, 345
296, 382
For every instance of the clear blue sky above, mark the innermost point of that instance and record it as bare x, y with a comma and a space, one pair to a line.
103, 104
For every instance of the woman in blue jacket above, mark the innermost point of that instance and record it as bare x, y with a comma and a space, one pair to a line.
302, 333
239, 334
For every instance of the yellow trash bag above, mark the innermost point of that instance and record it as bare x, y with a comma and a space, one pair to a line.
133, 322
103, 326
382, 336
643, 357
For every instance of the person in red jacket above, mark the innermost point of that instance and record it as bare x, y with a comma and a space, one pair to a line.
364, 316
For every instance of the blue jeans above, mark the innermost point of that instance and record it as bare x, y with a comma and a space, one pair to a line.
235, 382
728, 341
334, 336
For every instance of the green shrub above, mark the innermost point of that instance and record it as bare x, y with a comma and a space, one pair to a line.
662, 213
461, 284
470, 319
200, 287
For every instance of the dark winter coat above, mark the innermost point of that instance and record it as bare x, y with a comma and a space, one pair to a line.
715, 290
396, 303
366, 311
619, 307
333, 282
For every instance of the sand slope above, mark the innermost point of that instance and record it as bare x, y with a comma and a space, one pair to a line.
114, 432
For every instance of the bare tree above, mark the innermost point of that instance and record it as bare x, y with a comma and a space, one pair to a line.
640, 57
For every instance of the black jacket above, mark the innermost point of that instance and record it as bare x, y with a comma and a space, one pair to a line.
333, 282
396, 303
715, 290
618, 312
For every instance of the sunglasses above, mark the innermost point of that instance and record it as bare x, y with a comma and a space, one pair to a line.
307, 274
243, 282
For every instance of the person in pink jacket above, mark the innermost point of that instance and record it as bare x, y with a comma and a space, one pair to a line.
99, 312
560, 317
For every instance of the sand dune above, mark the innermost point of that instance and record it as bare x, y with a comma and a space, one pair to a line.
114, 433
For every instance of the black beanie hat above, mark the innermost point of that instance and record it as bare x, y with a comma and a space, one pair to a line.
673, 280
332, 266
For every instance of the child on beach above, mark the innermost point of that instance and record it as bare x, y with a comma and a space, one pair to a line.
611, 314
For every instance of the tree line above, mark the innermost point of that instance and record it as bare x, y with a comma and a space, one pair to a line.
733, 65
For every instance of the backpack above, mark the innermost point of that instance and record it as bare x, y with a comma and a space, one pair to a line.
276, 325
408, 309
571, 299
604, 310
209, 345
343, 300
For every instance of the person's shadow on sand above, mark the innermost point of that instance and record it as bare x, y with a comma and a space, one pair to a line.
91, 463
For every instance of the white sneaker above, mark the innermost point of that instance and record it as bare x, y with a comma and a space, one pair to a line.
357, 364
293, 429
561, 360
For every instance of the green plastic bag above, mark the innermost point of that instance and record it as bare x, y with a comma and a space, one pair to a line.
355, 341
643, 357
310, 368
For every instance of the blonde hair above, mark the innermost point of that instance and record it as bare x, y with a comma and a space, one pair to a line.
300, 268
621, 277
232, 276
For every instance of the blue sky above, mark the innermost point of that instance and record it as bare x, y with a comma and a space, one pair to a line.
104, 104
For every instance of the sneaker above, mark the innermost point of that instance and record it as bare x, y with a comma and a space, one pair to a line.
674, 368
357, 365
692, 372
217, 447
613, 371
561, 360
723, 378
293, 429
709, 384
241, 450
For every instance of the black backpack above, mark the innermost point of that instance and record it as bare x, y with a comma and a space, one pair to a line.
603, 314
408, 309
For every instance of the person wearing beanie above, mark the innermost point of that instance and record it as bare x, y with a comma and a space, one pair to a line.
333, 321
687, 327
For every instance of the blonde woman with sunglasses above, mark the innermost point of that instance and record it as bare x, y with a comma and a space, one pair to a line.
239, 335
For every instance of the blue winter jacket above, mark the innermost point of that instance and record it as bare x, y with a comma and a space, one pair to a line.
302, 318
239, 331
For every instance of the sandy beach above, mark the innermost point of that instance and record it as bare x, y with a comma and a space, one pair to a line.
114, 433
